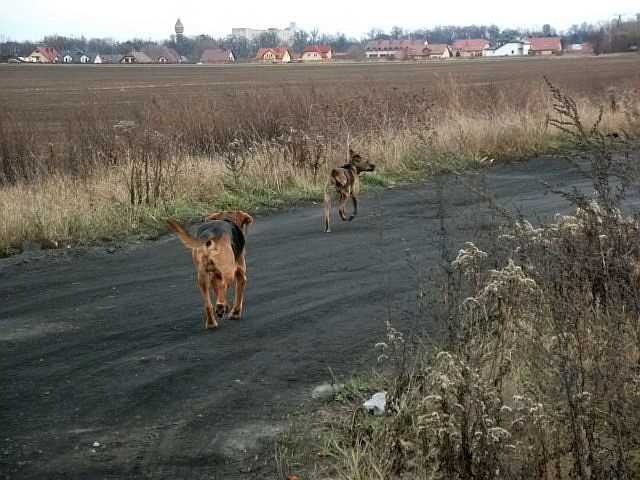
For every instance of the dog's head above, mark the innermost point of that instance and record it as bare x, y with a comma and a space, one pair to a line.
360, 163
241, 219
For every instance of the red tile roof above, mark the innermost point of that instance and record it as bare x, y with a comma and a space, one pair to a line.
49, 53
279, 52
470, 45
545, 44
215, 55
324, 49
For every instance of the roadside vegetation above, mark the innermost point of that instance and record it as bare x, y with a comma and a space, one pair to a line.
538, 374
98, 179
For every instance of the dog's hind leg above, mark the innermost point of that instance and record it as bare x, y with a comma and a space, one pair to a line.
342, 209
241, 283
210, 318
354, 199
327, 211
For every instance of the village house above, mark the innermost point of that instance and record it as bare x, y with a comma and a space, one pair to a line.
110, 58
217, 55
43, 55
135, 57
161, 54
508, 49
470, 47
545, 46
434, 50
316, 53
273, 55
77, 56
398, 49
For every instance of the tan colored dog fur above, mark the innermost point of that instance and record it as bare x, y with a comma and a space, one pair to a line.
219, 257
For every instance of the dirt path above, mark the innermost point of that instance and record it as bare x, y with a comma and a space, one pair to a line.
108, 373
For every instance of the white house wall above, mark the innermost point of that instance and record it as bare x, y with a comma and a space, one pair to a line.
508, 50
380, 53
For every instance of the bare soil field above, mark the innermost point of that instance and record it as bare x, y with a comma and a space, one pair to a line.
48, 94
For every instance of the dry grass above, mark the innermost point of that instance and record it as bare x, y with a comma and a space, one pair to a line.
92, 177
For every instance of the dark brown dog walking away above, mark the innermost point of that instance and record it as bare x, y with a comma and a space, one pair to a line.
344, 183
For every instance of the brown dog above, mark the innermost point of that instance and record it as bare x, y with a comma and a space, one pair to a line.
344, 183
218, 254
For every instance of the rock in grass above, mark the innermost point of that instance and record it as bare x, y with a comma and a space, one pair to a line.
326, 391
376, 404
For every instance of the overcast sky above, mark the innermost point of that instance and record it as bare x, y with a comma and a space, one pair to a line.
123, 19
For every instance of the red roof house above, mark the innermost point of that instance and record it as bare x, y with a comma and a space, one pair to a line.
217, 55
316, 53
470, 47
545, 45
44, 55
436, 50
273, 55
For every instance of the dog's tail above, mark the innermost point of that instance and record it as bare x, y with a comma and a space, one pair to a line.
184, 236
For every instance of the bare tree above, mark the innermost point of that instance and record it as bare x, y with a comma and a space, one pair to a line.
314, 35
300, 40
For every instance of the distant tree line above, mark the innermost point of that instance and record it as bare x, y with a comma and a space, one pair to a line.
616, 35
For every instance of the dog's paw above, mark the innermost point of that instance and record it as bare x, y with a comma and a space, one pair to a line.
221, 310
210, 325
235, 314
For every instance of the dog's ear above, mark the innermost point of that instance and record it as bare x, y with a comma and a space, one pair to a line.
216, 216
243, 220
248, 220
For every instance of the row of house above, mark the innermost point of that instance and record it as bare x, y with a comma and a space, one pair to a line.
397, 49
149, 54
420, 49
313, 53
162, 54
403, 49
